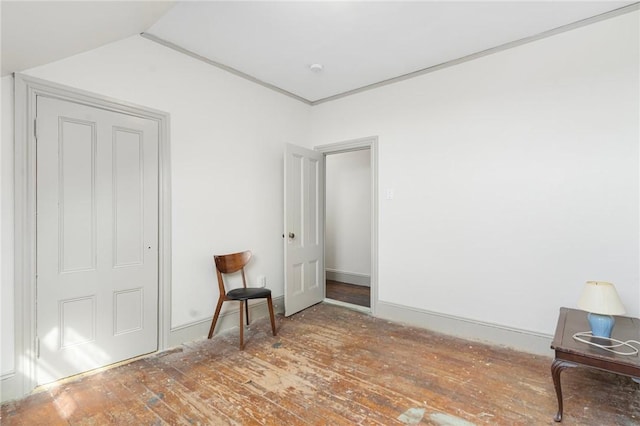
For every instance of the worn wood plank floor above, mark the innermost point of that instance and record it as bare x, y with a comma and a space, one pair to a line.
332, 366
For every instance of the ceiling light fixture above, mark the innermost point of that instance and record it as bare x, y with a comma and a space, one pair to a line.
316, 67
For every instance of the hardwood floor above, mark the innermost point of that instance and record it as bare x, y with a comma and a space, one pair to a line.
332, 366
349, 293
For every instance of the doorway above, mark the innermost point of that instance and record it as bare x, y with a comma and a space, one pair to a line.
348, 226
351, 223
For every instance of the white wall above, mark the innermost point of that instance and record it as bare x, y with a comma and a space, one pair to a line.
7, 361
348, 212
227, 141
516, 177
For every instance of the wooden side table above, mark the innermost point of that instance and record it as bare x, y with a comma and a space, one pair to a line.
572, 353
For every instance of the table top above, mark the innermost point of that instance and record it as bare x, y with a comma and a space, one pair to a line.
572, 321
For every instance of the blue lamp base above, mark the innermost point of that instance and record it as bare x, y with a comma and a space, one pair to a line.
601, 325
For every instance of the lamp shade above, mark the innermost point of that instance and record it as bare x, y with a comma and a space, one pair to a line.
600, 297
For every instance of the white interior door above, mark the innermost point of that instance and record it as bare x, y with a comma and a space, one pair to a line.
97, 237
304, 228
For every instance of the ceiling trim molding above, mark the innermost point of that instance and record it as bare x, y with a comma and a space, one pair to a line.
545, 34
568, 27
223, 67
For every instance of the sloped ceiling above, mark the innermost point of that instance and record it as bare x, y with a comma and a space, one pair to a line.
38, 32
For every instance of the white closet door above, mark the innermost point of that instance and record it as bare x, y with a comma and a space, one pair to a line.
97, 237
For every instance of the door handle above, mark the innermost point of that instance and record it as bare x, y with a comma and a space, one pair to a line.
292, 235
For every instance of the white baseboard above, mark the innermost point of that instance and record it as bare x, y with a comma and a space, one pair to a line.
521, 340
227, 320
348, 277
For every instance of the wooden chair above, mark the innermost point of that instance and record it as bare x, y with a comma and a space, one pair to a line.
229, 264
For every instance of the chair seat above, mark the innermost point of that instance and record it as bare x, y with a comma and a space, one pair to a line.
248, 293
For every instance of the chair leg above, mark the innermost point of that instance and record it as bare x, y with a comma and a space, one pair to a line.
241, 325
273, 321
246, 309
215, 317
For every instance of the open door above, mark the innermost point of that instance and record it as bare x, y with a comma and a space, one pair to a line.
303, 228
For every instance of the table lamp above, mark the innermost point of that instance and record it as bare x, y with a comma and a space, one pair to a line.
601, 300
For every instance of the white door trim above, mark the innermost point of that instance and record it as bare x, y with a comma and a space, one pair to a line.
26, 90
370, 143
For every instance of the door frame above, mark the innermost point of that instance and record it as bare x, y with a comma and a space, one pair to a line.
26, 91
371, 143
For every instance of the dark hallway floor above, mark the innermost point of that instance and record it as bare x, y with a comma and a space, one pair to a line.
349, 293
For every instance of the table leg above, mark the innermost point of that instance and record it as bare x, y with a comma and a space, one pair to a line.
556, 368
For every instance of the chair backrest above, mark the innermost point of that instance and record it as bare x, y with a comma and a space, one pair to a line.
230, 263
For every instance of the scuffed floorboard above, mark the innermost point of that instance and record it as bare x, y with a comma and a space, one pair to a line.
332, 366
